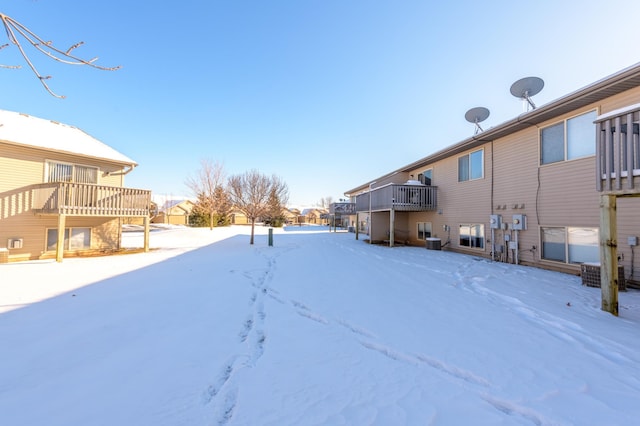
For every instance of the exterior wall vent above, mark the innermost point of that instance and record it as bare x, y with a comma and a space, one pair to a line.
14, 243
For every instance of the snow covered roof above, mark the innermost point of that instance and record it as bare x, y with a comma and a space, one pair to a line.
169, 204
23, 129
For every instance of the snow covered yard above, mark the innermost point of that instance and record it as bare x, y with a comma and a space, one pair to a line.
319, 329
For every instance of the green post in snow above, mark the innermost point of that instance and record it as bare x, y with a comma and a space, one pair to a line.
270, 237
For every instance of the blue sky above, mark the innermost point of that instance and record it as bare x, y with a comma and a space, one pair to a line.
325, 94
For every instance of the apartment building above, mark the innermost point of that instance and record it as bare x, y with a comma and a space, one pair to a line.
526, 191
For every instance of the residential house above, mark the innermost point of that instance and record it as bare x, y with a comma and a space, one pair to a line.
174, 212
528, 190
315, 216
62, 191
238, 217
296, 216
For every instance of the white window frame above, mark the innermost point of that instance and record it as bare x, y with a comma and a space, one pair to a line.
569, 258
565, 124
472, 226
421, 176
70, 238
74, 168
470, 170
424, 230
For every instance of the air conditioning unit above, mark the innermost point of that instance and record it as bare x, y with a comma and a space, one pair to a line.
14, 243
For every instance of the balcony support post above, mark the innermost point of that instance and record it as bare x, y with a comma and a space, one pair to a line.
60, 244
392, 221
146, 233
608, 254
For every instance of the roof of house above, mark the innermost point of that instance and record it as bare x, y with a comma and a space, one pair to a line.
619, 82
23, 129
182, 204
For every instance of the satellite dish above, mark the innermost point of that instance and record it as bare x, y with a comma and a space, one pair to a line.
527, 87
477, 115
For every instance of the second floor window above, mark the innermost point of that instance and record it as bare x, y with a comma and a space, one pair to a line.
569, 139
471, 166
64, 172
426, 177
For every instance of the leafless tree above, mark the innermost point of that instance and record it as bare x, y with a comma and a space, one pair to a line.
19, 36
207, 185
250, 193
325, 202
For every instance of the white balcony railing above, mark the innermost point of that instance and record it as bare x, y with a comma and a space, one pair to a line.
399, 197
618, 150
77, 199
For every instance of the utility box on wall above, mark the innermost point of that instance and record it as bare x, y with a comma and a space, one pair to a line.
519, 222
495, 221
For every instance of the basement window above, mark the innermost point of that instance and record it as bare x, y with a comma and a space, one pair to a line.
74, 239
570, 244
424, 230
471, 235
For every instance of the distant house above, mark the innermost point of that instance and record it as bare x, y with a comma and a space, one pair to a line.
238, 217
62, 191
315, 216
290, 217
174, 212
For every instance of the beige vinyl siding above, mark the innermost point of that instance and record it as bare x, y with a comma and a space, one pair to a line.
31, 165
515, 185
568, 195
436, 226
32, 230
27, 163
467, 202
628, 214
622, 100
397, 178
20, 168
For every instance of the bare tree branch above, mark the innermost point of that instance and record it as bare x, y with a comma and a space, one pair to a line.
250, 193
13, 27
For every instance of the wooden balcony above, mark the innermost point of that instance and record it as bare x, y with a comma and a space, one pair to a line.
342, 208
77, 199
618, 151
399, 197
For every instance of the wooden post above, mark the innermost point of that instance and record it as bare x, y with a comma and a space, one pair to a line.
60, 243
392, 220
357, 225
608, 254
146, 233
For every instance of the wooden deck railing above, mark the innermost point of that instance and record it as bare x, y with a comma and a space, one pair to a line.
412, 198
77, 199
618, 150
